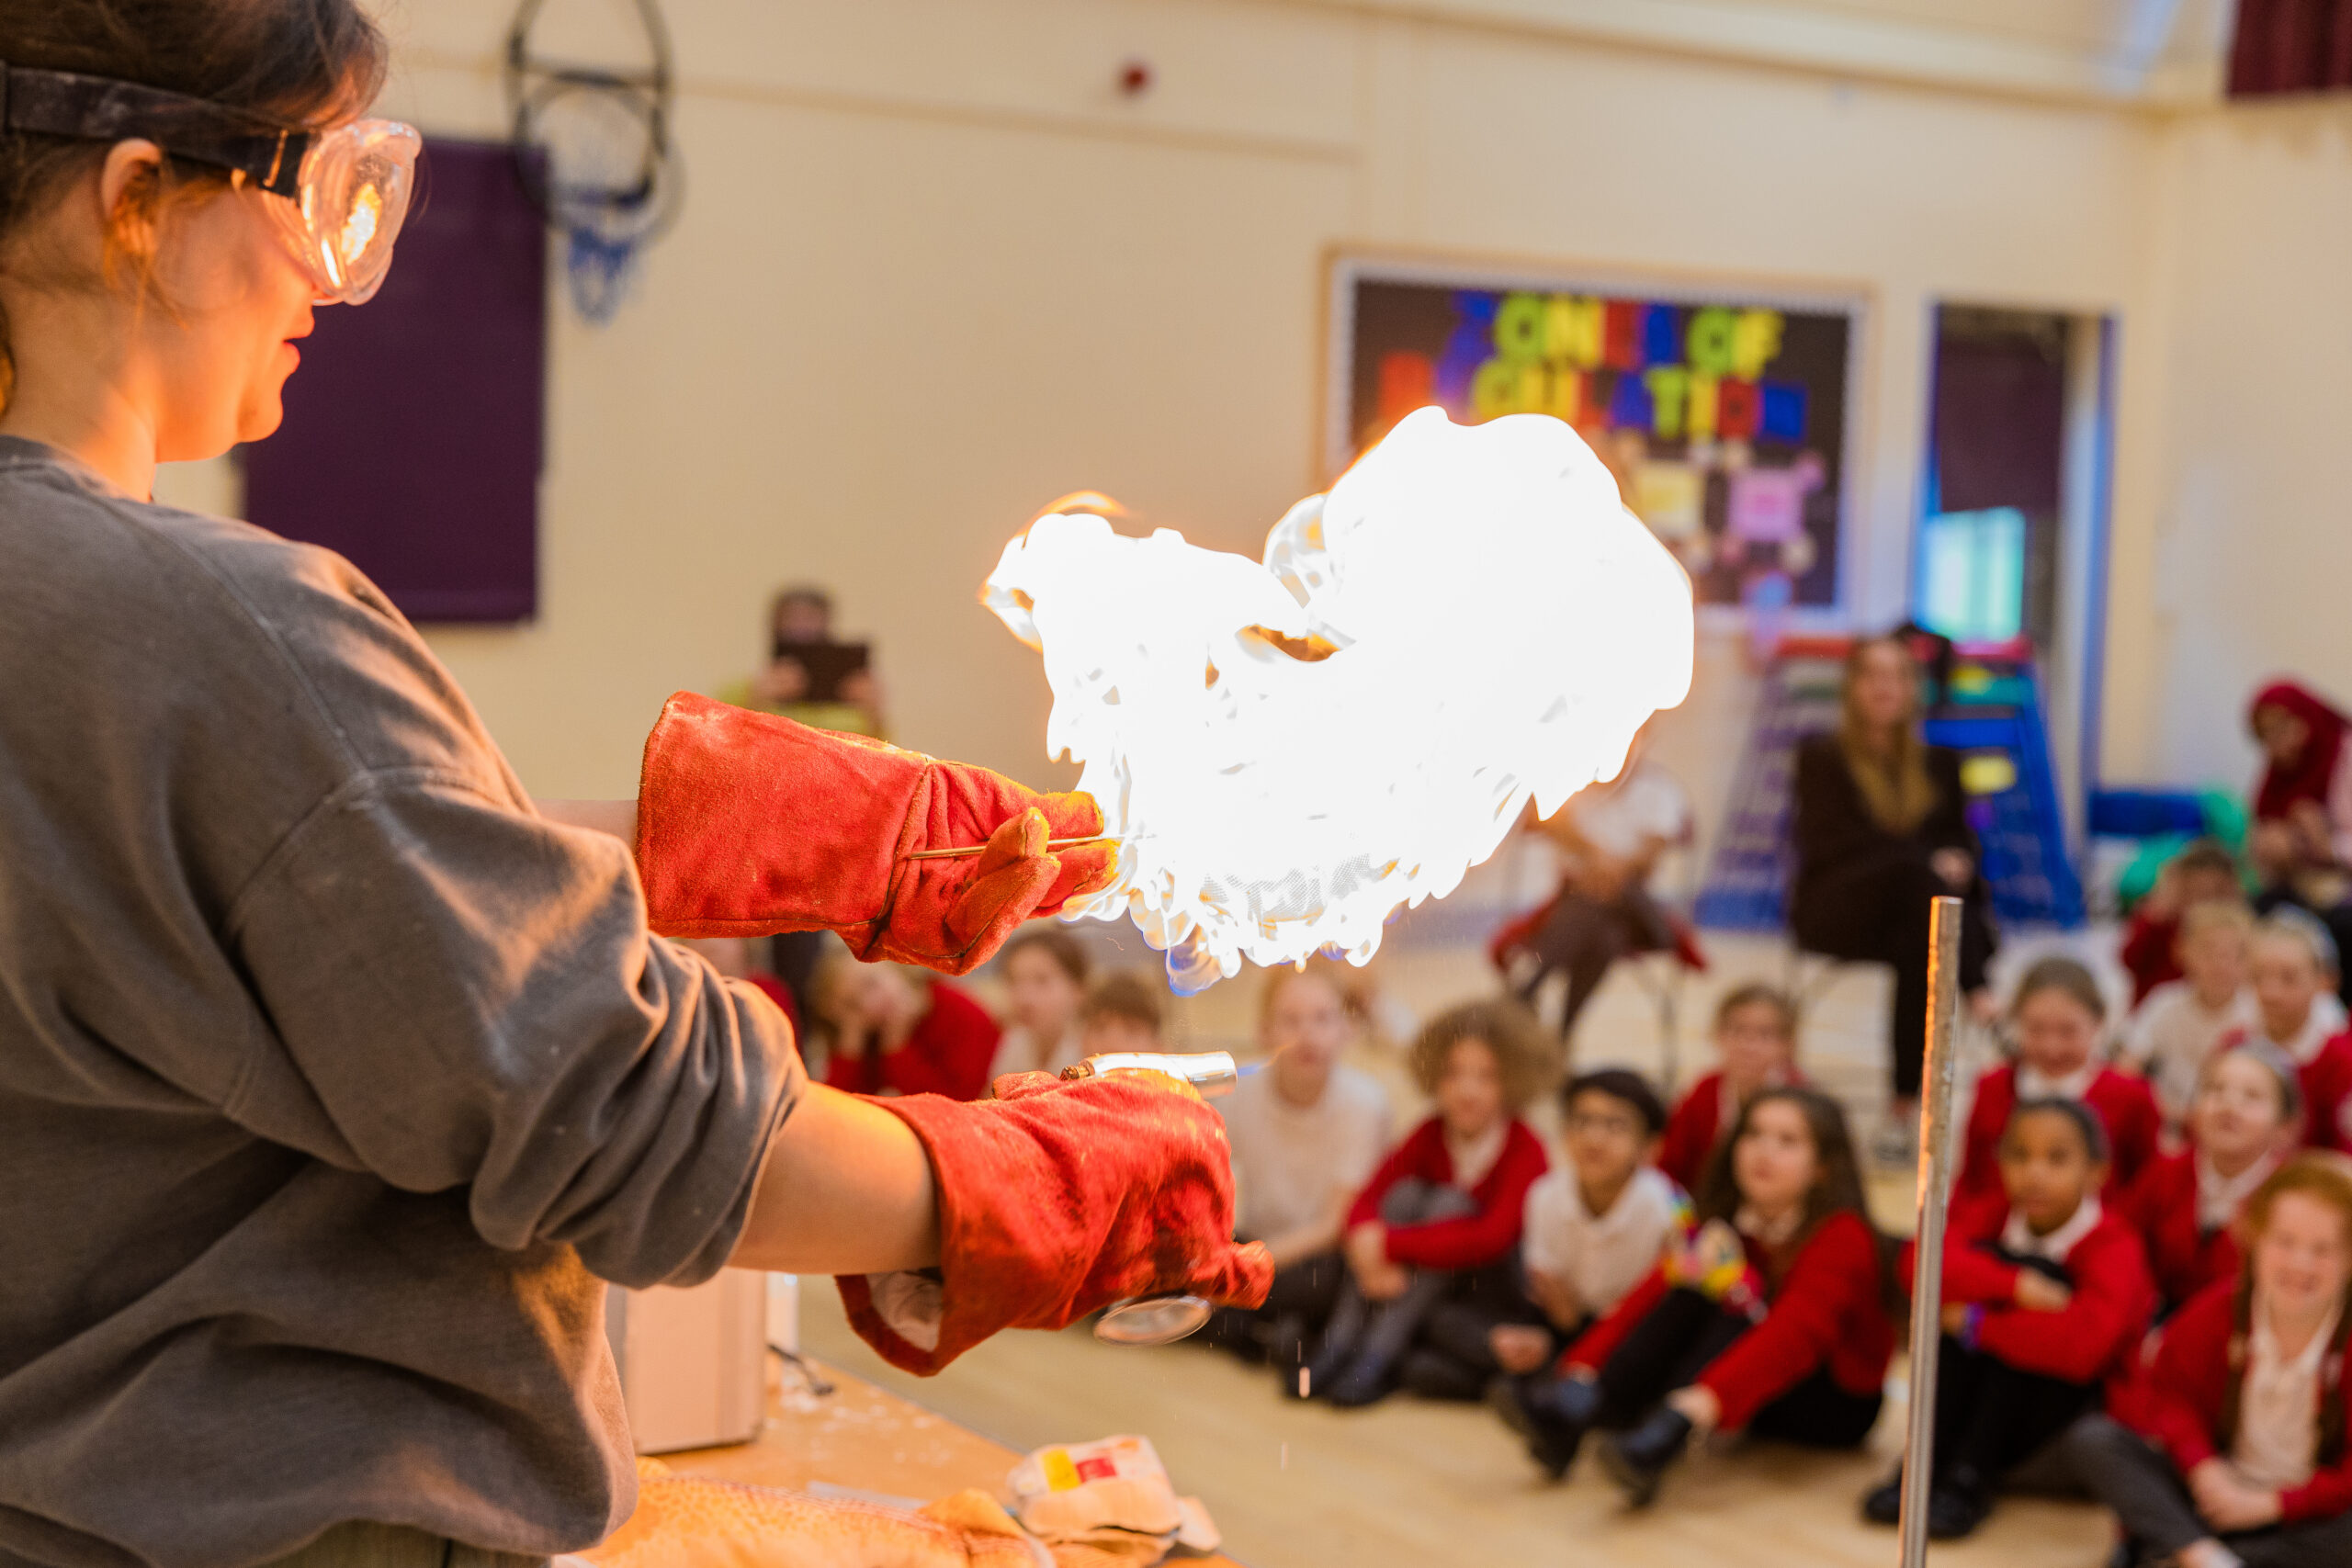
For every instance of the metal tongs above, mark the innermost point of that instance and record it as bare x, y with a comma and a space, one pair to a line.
1164, 1319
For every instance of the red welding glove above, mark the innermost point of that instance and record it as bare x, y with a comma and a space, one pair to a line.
1057, 1198
749, 824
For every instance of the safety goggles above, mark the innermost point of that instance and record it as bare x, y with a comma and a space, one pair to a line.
340, 195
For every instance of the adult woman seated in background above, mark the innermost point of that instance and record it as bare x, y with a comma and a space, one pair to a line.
2301, 841
1879, 832
894, 1029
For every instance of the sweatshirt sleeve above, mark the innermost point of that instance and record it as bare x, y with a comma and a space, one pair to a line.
1480, 1238
2078, 1343
2166, 1407
1834, 1275
1973, 1275
1980, 1164
462, 994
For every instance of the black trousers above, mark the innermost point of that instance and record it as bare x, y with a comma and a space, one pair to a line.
1876, 911
1305, 1292
1991, 1418
1584, 936
1682, 1337
2137, 1480
1450, 1358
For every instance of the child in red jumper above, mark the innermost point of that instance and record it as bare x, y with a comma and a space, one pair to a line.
1440, 1220
1755, 1040
2058, 1014
2046, 1296
2294, 966
892, 1029
2236, 1450
2243, 1125
1769, 1319
2203, 871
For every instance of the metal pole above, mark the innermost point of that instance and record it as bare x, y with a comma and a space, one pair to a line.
1935, 1194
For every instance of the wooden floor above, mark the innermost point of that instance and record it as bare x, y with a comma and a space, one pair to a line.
1408, 1484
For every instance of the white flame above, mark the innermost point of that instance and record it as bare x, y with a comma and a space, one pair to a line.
1503, 626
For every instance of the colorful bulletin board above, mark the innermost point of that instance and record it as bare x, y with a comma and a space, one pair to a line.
1723, 412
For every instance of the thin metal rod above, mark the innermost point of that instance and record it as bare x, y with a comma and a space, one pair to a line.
961, 850
1935, 1193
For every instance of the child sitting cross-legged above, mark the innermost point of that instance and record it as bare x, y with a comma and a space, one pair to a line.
1593, 1230
2295, 966
2058, 1014
1440, 1219
2046, 1296
1768, 1319
2241, 1126
2230, 1448
2185, 1021
1755, 1044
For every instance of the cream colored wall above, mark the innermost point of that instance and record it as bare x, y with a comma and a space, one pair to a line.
2250, 572
932, 271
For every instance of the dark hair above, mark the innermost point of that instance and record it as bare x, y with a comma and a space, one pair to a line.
2061, 975
292, 64
1126, 994
2204, 854
1620, 1084
799, 593
1838, 1178
2087, 1124
1068, 955
1756, 992
1524, 1051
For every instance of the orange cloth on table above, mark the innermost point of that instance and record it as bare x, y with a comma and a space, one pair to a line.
1057, 1198
749, 824
947, 1051
690, 1521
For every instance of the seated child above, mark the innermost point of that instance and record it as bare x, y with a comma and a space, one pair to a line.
891, 1028
1044, 984
1122, 1012
1756, 1041
1768, 1319
2294, 965
2057, 1014
2243, 1125
2234, 1453
2046, 1296
1306, 1133
1593, 1230
2183, 1022
2203, 872
1440, 1219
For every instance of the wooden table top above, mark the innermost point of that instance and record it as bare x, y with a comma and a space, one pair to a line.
863, 1437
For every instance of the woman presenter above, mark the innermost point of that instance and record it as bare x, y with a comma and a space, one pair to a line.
336, 1076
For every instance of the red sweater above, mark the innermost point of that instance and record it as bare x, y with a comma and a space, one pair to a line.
2148, 952
948, 1052
2162, 1205
1824, 1309
2092, 1338
1472, 1240
2327, 1096
1692, 1130
2126, 1105
2177, 1402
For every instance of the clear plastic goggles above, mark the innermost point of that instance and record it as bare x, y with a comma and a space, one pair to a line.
351, 197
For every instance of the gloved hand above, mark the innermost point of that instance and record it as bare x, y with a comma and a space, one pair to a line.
749, 824
1055, 1198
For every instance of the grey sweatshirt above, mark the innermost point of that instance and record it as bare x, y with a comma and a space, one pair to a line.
333, 1080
